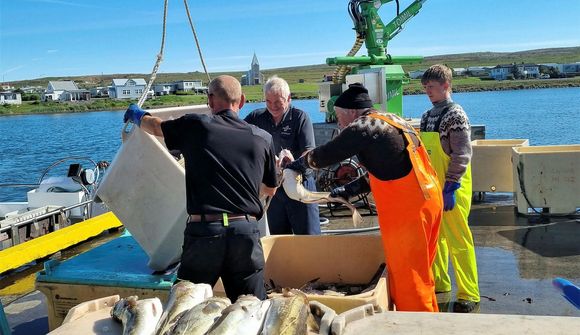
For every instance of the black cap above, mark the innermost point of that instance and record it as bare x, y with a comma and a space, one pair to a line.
355, 97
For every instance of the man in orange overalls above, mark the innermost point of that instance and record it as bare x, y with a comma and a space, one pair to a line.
404, 185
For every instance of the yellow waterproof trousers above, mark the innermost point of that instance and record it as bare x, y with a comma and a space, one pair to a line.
455, 237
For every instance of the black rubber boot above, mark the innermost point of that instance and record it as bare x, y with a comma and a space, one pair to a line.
444, 301
465, 306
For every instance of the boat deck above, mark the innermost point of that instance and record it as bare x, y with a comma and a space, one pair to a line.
518, 257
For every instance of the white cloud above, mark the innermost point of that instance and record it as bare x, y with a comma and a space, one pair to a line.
51, 51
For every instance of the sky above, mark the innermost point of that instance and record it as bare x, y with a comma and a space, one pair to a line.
52, 38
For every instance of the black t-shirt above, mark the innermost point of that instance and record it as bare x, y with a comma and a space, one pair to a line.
226, 160
294, 132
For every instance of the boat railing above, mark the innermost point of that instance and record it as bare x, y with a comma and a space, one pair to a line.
9, 227
52, 203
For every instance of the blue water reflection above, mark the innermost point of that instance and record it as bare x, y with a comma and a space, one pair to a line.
30, 143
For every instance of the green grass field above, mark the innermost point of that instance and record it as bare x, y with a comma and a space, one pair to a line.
304, 81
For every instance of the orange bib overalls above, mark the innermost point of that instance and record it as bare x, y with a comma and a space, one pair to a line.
409, 213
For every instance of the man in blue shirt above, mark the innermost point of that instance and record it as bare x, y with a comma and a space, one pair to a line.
291, 129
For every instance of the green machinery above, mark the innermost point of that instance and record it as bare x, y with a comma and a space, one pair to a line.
381, 73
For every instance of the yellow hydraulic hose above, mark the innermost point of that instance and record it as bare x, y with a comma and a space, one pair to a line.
341, 70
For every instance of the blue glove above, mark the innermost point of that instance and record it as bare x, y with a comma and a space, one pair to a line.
134, 114
569, 291
449, 195
299, 165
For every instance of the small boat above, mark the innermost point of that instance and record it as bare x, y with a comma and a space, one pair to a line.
59, 212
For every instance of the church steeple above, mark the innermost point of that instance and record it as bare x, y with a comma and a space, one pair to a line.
253, 76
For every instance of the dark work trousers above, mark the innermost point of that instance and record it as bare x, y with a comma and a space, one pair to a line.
287, 216
233, 253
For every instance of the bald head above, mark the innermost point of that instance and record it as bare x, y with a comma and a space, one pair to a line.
225, 92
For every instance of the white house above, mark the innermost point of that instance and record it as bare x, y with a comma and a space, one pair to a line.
127, 88
99, 92
416, 74
501, 72
10, 98
459, 71
478, 71
56, 88
164, 89
190, 85
32, 89
75, 95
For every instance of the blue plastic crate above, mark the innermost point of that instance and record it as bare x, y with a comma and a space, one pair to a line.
120, 263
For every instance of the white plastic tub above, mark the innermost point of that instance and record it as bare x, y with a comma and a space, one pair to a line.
145, 188
491, 164
549, 176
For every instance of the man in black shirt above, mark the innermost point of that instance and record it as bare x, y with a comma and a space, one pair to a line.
227, 163
291, 129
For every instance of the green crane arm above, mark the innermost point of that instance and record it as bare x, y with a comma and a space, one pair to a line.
368, 25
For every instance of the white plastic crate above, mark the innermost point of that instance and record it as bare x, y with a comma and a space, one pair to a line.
491, 164
549, 176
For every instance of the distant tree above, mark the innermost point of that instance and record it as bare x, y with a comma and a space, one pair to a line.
544, 68
30, 97
516, 72
554, 72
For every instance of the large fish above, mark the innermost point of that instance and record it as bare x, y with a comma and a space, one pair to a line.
199, 319
183, 296
288, 315
245, 317
292, 183
139, 317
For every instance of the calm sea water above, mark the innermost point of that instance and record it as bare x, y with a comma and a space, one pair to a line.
31, 143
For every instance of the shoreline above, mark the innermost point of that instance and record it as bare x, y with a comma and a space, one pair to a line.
412, 89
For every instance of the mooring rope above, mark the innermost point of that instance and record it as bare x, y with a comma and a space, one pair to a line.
158, 62
196, 40
160, 54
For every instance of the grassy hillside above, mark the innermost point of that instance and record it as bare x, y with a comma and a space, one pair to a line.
554, 55
304, 80
314, 73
